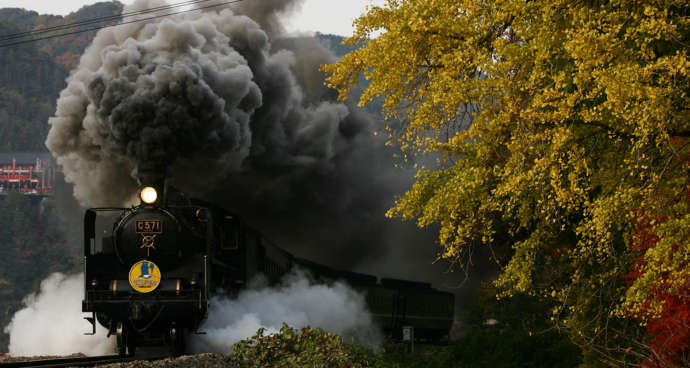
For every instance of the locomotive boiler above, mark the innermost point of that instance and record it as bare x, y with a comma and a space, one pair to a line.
151, 269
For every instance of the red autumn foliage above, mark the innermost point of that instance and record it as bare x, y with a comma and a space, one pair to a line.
669, 333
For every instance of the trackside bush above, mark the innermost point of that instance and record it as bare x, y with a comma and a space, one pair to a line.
302, 348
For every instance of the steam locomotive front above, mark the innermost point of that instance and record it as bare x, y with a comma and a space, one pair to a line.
146, 275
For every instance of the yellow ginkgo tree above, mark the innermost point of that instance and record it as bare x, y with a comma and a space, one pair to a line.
560, 127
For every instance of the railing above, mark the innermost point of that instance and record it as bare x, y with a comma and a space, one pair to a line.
28, 191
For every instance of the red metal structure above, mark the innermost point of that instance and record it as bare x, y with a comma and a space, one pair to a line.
29, 173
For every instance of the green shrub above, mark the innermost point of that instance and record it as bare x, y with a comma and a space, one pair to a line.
302, 348
511, 347
424, 355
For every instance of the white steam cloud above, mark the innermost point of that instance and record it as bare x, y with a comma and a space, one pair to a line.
297, 301
52, 322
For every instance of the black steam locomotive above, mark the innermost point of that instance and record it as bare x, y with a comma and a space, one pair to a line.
150, 270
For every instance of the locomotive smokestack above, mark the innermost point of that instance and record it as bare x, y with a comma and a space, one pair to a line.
152, 175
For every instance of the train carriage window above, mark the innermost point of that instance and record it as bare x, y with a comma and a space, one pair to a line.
229, 233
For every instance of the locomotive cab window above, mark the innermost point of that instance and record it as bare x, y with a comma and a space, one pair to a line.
229, 233
103, 231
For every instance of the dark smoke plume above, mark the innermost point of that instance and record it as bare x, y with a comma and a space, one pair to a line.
239, 115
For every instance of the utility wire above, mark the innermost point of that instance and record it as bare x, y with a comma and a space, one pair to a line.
99, 19
119, 24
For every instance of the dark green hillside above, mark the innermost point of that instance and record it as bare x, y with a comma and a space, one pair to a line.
64, 50
32, 246
28, 70
32, 240
26, 20
33, 74
67, 50
30, 81
335, 44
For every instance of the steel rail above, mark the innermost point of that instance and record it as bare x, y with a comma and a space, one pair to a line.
78, 361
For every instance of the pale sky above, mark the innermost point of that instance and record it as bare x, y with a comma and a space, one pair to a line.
325, 16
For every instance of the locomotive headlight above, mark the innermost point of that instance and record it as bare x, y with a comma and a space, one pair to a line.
148, 195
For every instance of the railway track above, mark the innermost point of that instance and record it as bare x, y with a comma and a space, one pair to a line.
78, 361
